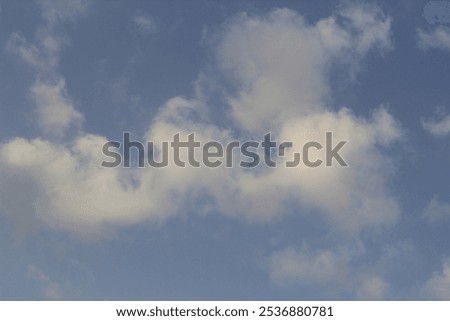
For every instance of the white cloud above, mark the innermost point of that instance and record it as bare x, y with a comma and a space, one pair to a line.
55, 111
373, 28
353, 197
280, 87
279, 67
438, 286
438, 38
67, 189
288, 76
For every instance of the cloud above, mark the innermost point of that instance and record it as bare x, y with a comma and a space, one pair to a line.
50, 288
372, 287
60, 11
281, 85
351, 198
437, 211
288, 76
67, 190
279, 67
55, 110
436, 127
438, 38
438, 286
337, 270
145, 24
306, 266
42, 55
276, 69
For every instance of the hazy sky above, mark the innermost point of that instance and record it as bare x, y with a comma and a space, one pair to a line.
75, 74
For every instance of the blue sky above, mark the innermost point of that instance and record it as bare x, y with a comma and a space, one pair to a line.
76, 74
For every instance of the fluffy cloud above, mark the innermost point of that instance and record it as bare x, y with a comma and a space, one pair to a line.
67, 190
276, 69
351, 197
280, 86
279, 67
55, 111
438, 38
279, 64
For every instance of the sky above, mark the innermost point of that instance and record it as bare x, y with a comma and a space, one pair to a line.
76, 74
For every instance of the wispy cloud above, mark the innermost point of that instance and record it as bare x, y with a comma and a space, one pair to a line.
306, 266
373, 287
438, 38
54, 109
437, 127
335, 270
51, 289
437, 210
56, 12
145, 24
438, 286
